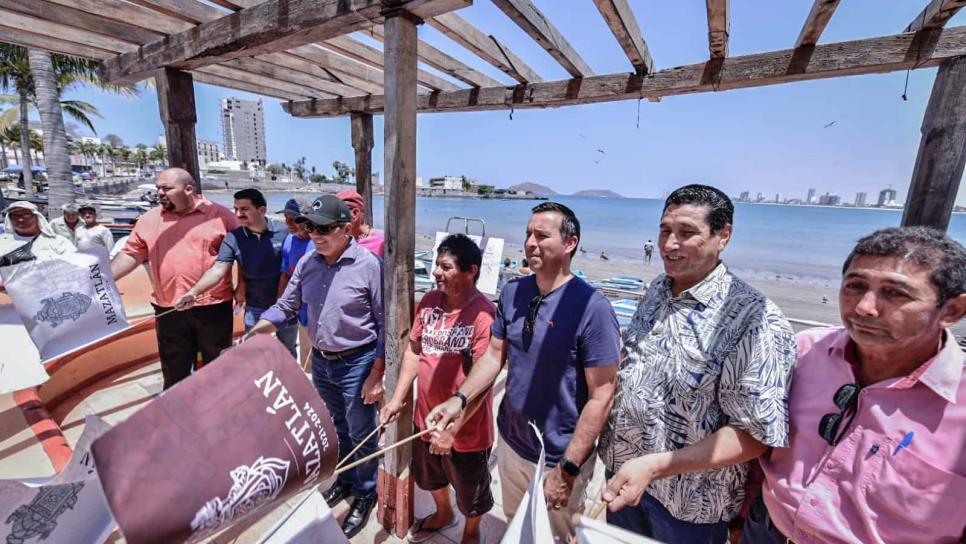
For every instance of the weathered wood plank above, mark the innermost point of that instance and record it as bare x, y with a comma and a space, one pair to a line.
935, 15
366, 54
486, 47
362, 142
70, 16
267, 69
719, 27
120, 10
190, 11
272, 26
532, 21
176, 103
621, 21
816, 22
70, 33
54, 45
868, 56
351, 72
442, 61
400, 222
941, 158
202, 76
230, 72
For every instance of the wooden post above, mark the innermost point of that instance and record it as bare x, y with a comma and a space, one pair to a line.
176, 102
362, 144
395, 484
942, 151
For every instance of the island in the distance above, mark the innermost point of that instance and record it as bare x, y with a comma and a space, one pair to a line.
601, 193
543, 190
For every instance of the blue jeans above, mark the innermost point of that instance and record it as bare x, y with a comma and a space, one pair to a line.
286, 334
651, 519
339, 382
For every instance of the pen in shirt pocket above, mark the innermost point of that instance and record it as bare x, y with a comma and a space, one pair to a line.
906, 440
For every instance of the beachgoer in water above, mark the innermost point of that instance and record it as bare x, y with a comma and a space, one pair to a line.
451, 331
553, 322
342, 285
176, 262
712, 399
876, 405
648, 249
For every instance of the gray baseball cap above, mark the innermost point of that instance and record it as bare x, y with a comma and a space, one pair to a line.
326, 209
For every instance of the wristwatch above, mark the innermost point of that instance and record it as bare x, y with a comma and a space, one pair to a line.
569, 466
462, 398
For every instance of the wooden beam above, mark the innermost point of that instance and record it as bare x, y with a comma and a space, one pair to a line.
942, 151
189, 11
816, 22
54, 45
355, 74
362, 142
74, 17
231, 72
396, 485
73, 34
354, 49
176, 103
443, 62
541, 30
935, 15
868, 56
269, 27
621, 21
486, 47
130, 13
267, 69
719, 26
202, 76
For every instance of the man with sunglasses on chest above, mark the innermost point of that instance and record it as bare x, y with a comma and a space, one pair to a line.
878, 407
560, 341
703, 384
341, 284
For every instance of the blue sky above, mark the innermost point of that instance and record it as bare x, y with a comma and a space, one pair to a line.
769, 139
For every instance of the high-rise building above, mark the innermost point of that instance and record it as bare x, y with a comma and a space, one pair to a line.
887, 197
243, 125
744, 197
778, 198
208, 152
860, 199
811, 197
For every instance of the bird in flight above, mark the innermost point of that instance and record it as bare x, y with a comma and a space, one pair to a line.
830, 124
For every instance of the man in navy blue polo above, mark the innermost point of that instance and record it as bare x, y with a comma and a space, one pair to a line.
256, 245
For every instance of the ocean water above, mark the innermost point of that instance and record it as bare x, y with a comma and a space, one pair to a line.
805, 243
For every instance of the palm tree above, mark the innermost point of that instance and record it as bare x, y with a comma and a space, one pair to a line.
141, 157
15, 74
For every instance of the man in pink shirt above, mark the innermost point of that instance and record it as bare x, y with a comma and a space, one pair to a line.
180, 241
878, 408
366, 235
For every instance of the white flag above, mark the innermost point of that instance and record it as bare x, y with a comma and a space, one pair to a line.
531, 524
20, 365
65, 301
310, 521
592, 531
67, 508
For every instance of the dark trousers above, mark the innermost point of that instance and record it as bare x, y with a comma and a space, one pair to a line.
339, 383
181, 335
758, 527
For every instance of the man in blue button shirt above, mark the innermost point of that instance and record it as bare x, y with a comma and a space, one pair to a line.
293, 248
341, 283
560, 341
256, 246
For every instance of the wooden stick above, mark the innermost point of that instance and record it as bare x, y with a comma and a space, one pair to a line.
157, 316
361, 443
381, 452
598, 509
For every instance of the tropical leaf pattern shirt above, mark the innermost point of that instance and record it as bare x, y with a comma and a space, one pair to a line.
718, 354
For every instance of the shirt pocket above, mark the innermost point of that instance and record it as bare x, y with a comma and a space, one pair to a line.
907, 490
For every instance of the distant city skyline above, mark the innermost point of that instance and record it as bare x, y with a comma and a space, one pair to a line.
778, 139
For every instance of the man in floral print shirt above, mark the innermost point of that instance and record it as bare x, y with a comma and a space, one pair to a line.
703, 384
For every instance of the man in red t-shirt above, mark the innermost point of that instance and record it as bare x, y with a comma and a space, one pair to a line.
450, 332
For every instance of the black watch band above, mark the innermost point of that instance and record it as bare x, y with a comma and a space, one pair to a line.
462, 398
569, 466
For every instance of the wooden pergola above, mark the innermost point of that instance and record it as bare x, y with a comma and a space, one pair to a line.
300, 51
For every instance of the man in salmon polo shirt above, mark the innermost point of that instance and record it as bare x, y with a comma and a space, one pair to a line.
451, 331
366, 235
878, 407
180, 240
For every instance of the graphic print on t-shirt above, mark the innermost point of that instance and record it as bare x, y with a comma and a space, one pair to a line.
438, 339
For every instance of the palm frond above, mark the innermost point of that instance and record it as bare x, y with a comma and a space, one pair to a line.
81, 111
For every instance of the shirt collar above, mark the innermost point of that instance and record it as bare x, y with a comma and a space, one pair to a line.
706, 291
941, 373
351, 252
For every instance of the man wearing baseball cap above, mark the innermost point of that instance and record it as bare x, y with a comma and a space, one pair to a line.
342, 286
367, 236
293, 248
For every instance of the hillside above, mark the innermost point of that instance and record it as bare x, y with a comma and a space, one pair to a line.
603, 193
534, 188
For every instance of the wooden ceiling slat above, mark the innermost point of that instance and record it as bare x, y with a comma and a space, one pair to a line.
57, 30
231, 72
201, 76
486, 47
354, 49
189, 11
355, 74
295, 77
120, 10
816, 22
719, 28
54, 45
541, 30
621, 21
74, 17
935, 15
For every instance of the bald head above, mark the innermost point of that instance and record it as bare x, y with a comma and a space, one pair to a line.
176, 190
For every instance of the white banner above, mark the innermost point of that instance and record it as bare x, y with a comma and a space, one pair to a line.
20, 365
309, 522
592, 531
67, 508
492, 249
531, 524
65, 301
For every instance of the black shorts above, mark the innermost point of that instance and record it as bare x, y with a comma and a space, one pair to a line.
467, 472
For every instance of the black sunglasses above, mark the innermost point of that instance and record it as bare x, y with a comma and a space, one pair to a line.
532, 315
311, 227
846, 399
